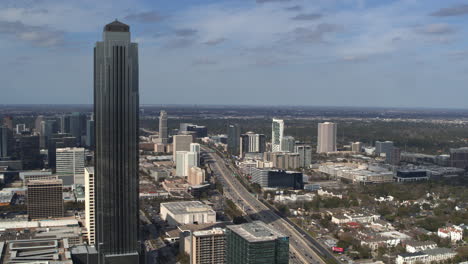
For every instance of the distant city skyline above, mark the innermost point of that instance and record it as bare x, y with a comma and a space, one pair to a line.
312, 53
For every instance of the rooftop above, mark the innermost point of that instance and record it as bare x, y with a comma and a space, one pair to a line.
187, 207
117, 26
256, 231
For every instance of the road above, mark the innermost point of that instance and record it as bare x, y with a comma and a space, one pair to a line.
301, 249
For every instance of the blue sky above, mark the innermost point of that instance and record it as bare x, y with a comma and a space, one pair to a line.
268, 52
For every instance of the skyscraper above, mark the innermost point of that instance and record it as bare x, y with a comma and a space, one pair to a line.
181, 143
252, 143
45, 199
288, 144
116, 110
305, 155
70, 165
233, 140
4, 133
326, 139
256, 242
90, 205
277, 130
163, 127
90, 140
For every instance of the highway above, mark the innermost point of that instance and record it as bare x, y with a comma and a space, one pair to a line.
302, 249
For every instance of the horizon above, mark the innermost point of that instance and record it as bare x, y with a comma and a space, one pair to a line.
355, 53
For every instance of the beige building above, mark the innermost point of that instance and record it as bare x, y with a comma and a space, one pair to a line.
283, 160
181, 143
326, 137
89, 205
196, 176
207, 247
356, 147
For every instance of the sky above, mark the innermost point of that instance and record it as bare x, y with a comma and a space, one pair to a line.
384, 53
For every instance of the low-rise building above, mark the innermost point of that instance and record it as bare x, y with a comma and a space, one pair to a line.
454, 233
187, 212
416, 246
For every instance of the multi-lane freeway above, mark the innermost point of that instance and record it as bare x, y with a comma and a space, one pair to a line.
303, 249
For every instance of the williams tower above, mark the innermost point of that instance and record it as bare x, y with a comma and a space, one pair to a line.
116, 105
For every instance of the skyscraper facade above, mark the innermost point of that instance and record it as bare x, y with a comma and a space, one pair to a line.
116, 111
288, 144
326, 137
181, 143
4, 133
277, 130
45, 199
90, 205
305, 155
70, 165
163, 127
252, 143
233, 140
90, 140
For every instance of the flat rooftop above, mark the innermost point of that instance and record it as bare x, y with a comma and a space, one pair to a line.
256, 231
187, 207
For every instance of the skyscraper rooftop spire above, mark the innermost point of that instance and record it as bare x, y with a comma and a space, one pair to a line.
117, 26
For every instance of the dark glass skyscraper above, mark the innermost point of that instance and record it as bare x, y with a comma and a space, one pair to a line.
116, 103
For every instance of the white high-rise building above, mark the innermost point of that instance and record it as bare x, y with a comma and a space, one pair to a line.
185, 161
326, 139
163, 127
277, 130
70, 165
89, 205
181, 143
195, 148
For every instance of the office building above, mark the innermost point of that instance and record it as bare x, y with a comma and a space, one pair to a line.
30, 153
44, 199
116, 110
78, 126
8, 122
283, 160
188, 212
90, 205
38, 123
277, 130
411, 175
20, 128
4, 141
195, 148
268, 178
254, 243
393, 157
70, 165
459, 158
356, 147
305, 155
288, 144
48, 128
207, 246
233, 139
252, 143
326, 137
184, 161
65, 124
181, 143
383, 147
163, 127
196, 176
90, 138
58, 141
199, 131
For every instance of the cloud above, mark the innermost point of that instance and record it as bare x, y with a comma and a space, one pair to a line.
37, 35
459, 10
294, 8
145, 17
214, 42
314, 35
204, 61
311, 16
185, 32
272, 1
436, 29
178, 43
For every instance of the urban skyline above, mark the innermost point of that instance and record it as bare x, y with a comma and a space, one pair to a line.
424, 38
